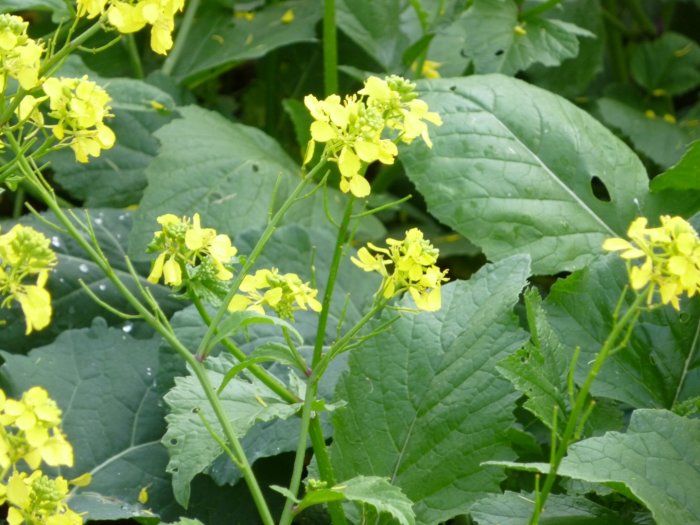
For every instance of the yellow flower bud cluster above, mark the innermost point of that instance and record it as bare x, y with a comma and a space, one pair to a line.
37, 499
25, 255
129, 16
669, 256
414, 268
20, 56
353, 128
185, 244
80, 107
30, 431
282, 293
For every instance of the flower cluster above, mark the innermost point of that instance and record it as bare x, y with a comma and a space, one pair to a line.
37, 499
30, 431
669, 255
283, 293
353, 128
184, 244
20, 55
24, 255
129, 16
80, 107
414, 268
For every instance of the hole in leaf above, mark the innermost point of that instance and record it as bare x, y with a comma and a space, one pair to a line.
599, 190
498, 53
684, 318
256, 168
453, 88
195, 410
173, 441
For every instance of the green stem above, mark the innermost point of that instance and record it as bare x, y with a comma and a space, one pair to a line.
203, 348
573, 420
642, 19
180, 40
615, 45
539, 9
260, 373
197, 368
19, 203
330, 48
134, 57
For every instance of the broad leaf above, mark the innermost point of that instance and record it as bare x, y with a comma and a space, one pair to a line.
496, 46
512, 169
372, 491
425, 403
102, 508
105, 383
684, 175
656, 461
218, 41
668, 65
512, 508
660, 366
191, 447
73, 307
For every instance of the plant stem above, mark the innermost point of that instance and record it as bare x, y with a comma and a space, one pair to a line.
642, 19
573, 420
134, 57
539, 9
260, 373
152, 320
330, 48
615, 45
180, 39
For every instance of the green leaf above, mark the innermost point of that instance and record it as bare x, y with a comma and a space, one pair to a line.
667, 66
102, 508
238, 321
662, 141
660, 365
512, 169
573, 76
57, 7
219, 41
684, 175
539, 369
104, 381
383, 28
512, 508
495, 45
73, 307
425, 403
373, 491
656, 461
191, 447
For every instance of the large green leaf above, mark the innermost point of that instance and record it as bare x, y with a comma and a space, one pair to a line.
191, 447
512, 508
656, 461
217, 40
73, 307
512, 169
425, 403
685, 175
104, 381
668, 65
660, 366
495, 46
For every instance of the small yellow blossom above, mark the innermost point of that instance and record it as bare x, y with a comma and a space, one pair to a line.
184, 243
91, 8
36, 498
414, 269
20, 56
80, 106
25, 255
670, 258
288, 16
129, 16
353, 128
283, 293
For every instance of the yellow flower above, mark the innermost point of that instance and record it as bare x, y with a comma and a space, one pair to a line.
131, 16
80, 106
91, 8
25, 254
353, 128
20, 56
414, 269
38, 499
671, 258
284, 294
